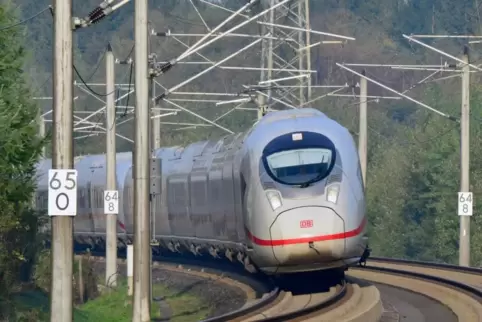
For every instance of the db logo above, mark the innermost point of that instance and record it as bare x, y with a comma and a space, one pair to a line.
306, 223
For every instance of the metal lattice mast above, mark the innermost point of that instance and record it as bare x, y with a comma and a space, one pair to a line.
278, 53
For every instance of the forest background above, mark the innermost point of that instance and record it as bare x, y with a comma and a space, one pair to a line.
414, 155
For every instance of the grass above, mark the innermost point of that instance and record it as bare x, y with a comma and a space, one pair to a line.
116, 306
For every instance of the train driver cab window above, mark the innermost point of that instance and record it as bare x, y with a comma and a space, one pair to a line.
300, 163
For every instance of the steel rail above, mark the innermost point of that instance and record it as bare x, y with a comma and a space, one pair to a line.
469, 290
450, 267
247, 310
456, 287
341, 293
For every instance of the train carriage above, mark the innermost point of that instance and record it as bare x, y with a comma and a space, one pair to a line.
285, 196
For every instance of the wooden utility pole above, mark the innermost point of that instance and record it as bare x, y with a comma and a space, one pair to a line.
142, 234
111, 216
62, 185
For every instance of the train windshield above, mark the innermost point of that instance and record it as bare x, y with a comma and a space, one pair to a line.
299, 166
299, 162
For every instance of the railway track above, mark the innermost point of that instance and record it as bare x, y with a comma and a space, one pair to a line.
298, 300
350, 300
344, 302
458, 288
355, 299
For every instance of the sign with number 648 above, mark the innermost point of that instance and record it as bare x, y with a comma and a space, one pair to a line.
466, 203
111, 202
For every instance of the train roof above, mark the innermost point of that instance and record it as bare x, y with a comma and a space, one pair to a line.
292, 113
304, 119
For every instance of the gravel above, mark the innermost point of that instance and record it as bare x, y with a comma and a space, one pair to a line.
221, 297
411, 307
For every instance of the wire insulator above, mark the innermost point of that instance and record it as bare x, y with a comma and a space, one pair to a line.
453, 118
95, 12
160, 97
97, 18
166, 67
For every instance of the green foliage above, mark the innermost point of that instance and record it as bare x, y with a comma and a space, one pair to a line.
116, 306
19, 151
413, 174
33, 306
412, 188
42, 277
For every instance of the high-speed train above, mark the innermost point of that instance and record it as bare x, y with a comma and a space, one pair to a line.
285, 196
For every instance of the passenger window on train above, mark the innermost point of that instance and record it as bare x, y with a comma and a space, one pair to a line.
300, 166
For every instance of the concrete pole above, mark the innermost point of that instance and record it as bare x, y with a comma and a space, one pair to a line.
142, 234
130, 270
152, 200
61, 300
111, 219
308, 43
363, 133
464, 237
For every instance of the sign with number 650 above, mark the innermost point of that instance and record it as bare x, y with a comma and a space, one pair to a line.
62, 192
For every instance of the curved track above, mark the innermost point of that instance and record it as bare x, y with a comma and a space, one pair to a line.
458, 288
298, 300
312, 297
347, 301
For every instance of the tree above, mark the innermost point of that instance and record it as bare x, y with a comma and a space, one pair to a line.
19, 151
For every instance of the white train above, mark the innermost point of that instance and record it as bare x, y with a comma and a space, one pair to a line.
286, 196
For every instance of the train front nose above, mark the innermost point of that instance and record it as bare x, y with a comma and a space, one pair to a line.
307, 234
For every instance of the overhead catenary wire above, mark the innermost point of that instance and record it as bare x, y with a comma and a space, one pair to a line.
87, 86
96, 68
99, 118
126, 107
130, 80
25, 20
128, 90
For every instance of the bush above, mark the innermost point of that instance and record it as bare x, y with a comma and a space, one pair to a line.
20, 149
42, 277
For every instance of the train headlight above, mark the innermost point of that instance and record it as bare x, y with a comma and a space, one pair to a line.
274, 199
332, 193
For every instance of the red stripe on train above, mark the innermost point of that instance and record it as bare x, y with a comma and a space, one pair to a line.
280, 242
121, 224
